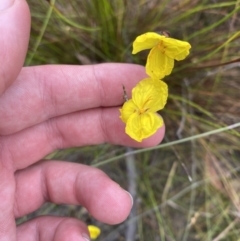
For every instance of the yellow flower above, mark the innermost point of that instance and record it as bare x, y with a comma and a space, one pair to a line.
164, 50
139, 113
94, 231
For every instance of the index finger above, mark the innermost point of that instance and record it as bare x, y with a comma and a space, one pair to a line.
44, 92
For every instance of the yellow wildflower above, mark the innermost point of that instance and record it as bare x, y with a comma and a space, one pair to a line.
94, 231
164, 50
139, 113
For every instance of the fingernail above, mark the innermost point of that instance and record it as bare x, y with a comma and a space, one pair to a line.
4, 4
130, 196
85, 237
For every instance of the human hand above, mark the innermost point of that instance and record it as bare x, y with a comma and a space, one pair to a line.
44, 108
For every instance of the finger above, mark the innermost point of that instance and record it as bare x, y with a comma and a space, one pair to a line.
71, 183
15, 28
44, 92
89, 127
52, 229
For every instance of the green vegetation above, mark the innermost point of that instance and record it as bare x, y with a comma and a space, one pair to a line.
188, 187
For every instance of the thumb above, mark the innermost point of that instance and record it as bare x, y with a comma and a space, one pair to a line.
14, 37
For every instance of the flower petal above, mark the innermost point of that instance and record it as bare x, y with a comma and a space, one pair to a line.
142, 126
146, 41
150, 95
158, 64
127, 110
94, 231
176, 49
